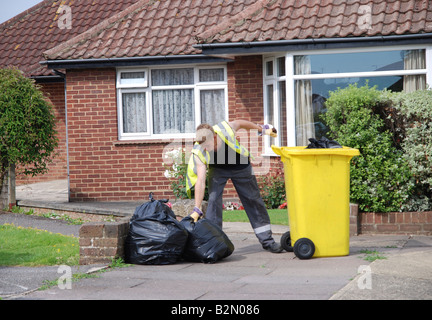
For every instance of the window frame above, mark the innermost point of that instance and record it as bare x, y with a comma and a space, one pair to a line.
131, 85
290, 79
273, 80
132, 135
148, 88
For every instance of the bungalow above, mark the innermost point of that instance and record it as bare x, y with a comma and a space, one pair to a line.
131, 80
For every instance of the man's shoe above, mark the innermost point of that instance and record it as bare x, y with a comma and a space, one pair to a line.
274, 248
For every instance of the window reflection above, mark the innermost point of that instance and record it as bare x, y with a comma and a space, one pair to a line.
362, 61
311, 94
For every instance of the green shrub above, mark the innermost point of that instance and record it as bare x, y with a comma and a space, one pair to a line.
380, 177
416, 110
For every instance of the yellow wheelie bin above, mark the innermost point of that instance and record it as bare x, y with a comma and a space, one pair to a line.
317, 183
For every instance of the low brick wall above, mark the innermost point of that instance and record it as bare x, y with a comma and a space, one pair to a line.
417, 223
100, 242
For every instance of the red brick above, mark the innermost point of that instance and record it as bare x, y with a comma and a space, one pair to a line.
429, 217
407, 217
85, 242
399, 218
367, 228
387, 228
91, 230
410, 227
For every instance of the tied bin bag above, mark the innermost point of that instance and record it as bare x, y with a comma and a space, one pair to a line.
207, 242
155, 236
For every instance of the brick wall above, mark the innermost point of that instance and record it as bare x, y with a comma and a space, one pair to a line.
105, 169
101, 167
54, 92
245, 88
419, 223
100, 242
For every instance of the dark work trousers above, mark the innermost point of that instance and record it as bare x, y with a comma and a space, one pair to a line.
246, 186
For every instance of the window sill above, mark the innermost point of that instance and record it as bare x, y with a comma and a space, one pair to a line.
269, 155
150, 141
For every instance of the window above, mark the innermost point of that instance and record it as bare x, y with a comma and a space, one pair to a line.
133, 79
132, 97
275, 100
170, 102
173, 102
303, 82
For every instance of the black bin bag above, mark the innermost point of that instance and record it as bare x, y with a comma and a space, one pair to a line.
206, 243
323, 143
155, 236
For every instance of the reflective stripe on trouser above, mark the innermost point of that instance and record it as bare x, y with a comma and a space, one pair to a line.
247, 188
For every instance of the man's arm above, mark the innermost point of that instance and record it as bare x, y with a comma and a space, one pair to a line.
244, 124
201, 183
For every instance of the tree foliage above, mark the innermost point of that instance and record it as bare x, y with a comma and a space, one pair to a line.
27, 124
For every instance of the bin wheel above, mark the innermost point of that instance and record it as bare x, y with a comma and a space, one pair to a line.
304, 248
286, 242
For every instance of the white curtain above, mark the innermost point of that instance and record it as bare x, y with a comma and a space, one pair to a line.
173, 111
304, 112
212, 106
134, 112
414, 59
172, 77
212, 100
282, 126
209, 75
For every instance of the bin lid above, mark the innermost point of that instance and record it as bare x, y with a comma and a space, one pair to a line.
303, 151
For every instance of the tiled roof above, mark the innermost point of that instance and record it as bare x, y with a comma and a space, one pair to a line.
150, 28
172, 27
132, 28
24, 37
290, 20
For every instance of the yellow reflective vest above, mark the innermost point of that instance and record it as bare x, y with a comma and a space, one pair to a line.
227, 134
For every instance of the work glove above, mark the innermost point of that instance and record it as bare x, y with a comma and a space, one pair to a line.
269, 130
196, 214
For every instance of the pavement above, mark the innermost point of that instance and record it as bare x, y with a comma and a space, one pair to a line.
402, 272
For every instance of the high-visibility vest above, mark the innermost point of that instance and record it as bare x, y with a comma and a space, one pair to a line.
192, 175
227, 134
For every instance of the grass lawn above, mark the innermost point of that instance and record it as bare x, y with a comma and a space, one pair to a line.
32, 247
277, 216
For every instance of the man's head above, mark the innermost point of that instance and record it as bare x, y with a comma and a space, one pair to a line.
206, 136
